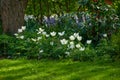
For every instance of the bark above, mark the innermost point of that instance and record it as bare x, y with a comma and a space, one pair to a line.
12, 15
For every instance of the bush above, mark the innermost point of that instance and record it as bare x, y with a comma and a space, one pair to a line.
6, 44
115, 43
88, 54
109, 49
42, 44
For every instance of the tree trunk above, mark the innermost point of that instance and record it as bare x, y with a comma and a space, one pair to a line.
12, 15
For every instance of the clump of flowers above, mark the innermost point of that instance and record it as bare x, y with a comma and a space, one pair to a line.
52, 44
22, 29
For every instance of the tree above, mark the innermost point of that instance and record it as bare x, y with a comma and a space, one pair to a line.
12, 15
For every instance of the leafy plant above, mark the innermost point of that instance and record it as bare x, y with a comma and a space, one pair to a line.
6, 44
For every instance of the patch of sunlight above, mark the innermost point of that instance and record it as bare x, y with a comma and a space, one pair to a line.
1, 77
15, 68
35, 76
66, 76
97, 77
103, 74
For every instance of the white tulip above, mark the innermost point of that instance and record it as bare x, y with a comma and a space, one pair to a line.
64, 41
53, 33
44, 33
39, 38
47, 35
51, 43
41, 51
23, 27
104, 35
21, 37
31, 16
78, 46
71, 43
33, 39
71, 46
41, 30
76, 34
82, 49
26, 17
20, 30
67, 53
79, 38
16, 34
89, 41
61, 33
72, 38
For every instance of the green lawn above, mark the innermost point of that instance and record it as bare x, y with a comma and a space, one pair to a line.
21, 69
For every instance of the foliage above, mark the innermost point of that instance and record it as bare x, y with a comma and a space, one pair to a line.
89, 54
104, 50
6, 44
91, 19
80, 30
109, 49
115, 42
117, 7
43, 44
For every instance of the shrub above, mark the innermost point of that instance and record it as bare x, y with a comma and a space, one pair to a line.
43, 44
115, 43
6, 44
109, 49
86, 54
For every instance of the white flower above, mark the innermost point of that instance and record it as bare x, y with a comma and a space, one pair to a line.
98, 7
51, 43
78, 46
39, 38
82, 49
33, 39
106, 9
67, 53
23, 27
104, 35
79, 38
26, 17
16, 34
44, 33
47, 35
41, 51
89, 41
61, 33
31, 16
76, 34
19, 30
64, 41
72, 46
71, 43
41, 30
21, 37
53, 33
72, 38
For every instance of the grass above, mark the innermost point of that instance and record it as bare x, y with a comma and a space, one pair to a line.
21, 69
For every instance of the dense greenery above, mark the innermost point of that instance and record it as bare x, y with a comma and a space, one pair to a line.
87, 31
64, 40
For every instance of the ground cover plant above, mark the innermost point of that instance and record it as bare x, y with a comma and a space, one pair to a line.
22, 69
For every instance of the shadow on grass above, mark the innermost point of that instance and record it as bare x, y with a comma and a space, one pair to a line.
57, 70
